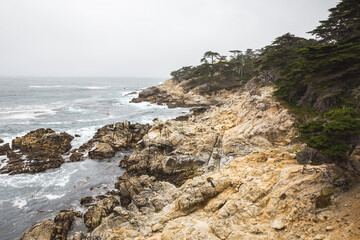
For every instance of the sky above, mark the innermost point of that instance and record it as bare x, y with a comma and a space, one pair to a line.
140, 38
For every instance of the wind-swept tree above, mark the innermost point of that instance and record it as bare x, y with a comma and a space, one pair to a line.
213, 56
342, 23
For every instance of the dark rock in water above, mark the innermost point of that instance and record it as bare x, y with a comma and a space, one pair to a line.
95, 214
77, 135
77, 157
43, 231
151, 91
4, 149
1, 141
112, 138
87, 200
131, 93
37, 151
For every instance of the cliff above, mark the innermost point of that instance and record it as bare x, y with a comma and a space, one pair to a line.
229, 173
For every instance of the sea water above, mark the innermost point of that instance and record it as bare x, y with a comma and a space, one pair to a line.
76, 106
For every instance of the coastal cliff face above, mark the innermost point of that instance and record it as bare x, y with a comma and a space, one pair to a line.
229, 173
225, 171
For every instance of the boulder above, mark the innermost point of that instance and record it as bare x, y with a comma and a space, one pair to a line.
87, 200
149, 92
1, 141
95, 214
4, 149
101, 151
41, 231
37, 151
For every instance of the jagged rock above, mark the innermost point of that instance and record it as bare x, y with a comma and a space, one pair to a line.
102, 150
95, 214
37, 151
4, 149
41, 231
1, 141
77, 157
112, 138
87, 200
130, 186
77, 135
78, 236
149, 92
175, 151
174, 94
63, 222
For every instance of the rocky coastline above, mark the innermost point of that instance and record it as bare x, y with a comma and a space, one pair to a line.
228, 170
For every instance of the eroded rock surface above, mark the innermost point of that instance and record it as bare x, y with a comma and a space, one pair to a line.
174, 94
265, 195
36, 151
110, 139
173, 150
95, 214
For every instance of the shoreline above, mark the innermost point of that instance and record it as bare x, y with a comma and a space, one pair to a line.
244, 156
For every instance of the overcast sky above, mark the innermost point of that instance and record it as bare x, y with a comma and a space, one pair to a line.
140, 38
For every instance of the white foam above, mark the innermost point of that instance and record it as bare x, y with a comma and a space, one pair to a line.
95, 87
19, 203
54, 196
54, 86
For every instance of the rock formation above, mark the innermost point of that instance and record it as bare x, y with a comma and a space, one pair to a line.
36, 151
110, 139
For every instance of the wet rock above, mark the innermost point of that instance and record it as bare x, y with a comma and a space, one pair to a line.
77, 157
1, 141
63, 222
37, 151
87, 200
130, 93
95, 214
41, 231
78, 236
4, 149
77, 135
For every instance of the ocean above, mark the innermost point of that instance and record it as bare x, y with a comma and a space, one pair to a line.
76, 106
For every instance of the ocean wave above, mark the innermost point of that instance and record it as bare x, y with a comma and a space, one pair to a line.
53, 196
54, 86
19, 203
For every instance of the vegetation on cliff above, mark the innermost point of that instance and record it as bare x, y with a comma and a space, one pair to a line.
310, 75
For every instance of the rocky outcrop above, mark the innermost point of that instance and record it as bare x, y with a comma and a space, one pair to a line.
52, 230
41, 231
63, 222
110, 139
4, 149
265, 195
174, 94
36, 151
95, 214
174, 150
